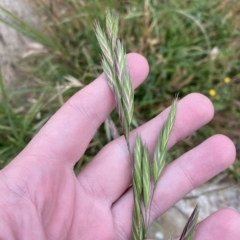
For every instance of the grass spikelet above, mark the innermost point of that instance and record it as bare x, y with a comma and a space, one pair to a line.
138, 231
112, 27
120, 61
115, 69
159, 161
104, 44
161, 146
123, 83
109, 74
168, 126
111, 129
137, 220
189, 229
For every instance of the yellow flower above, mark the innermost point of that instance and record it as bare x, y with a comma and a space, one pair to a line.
212, 92
227, 80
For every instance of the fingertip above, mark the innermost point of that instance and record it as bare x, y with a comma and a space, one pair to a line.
224, 149
138, 67
201, 106
223, 224
234, 220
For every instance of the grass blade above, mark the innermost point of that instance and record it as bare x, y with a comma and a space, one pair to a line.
26, 29
8, 109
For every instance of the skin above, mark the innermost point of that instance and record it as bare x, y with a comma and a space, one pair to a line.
42, 198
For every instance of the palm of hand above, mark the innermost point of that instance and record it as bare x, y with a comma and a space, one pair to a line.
42, 198
57, 205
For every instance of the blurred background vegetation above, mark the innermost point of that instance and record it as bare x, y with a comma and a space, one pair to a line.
191, 46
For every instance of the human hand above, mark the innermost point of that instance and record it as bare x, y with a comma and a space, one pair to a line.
42, 198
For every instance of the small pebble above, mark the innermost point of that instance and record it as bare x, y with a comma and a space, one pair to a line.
159, 235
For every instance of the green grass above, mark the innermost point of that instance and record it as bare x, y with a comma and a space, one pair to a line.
177, 38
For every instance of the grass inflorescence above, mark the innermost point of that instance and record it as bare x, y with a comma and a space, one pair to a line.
143, 173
